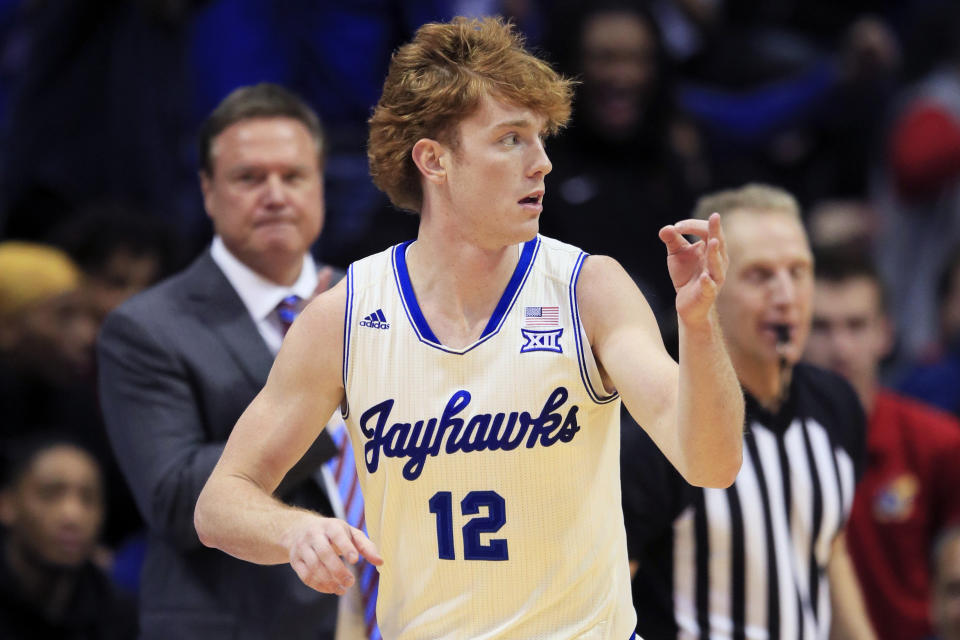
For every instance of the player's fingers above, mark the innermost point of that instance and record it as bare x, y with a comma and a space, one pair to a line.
366, 547
714, 225
300, 568
692, 227
313, 573
716, 231
715, 265
673, 239
343, 543
330, 559
708, 287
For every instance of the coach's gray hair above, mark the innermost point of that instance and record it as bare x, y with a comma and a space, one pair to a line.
750, 197
264, 100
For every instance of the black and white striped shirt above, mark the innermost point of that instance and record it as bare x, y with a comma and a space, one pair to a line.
749, 561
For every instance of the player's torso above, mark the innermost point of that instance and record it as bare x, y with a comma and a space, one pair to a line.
490, 473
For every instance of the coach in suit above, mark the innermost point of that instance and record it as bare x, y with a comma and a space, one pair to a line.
180, 362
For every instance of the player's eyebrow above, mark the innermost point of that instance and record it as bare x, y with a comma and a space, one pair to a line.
520, 123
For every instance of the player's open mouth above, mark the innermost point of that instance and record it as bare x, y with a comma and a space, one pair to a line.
534, 198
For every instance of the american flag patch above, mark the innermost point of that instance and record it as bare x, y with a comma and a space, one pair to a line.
541, 316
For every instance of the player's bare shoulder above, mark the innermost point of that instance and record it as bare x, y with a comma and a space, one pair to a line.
323, 316
314, 344
605, 292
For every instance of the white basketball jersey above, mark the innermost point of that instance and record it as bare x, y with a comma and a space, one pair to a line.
491, 473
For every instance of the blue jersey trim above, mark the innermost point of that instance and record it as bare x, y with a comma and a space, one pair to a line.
599, 398
347, 326
408, 297
513, 287
419, 323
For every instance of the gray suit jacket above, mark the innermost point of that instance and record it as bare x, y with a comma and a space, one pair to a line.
178, 365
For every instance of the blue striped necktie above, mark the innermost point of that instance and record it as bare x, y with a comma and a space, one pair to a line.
344, 471
287, 311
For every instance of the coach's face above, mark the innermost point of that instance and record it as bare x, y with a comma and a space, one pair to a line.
769, 283
265, 192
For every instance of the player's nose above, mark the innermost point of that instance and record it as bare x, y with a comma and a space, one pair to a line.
540, 164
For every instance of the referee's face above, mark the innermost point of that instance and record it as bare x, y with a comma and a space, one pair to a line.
769, 283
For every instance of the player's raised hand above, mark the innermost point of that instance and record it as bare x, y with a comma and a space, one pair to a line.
318, 548
697, 269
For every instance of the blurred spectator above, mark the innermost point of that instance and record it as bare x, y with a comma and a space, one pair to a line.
938, 381
120, 252
842, 223
46, 340
909, 489
48, 325
794, 94
688, 26
51, 508
918, 196
750, 43
99, 110
629, 163
768, 556
945, 607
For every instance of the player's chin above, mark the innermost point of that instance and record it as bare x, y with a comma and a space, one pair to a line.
529, 230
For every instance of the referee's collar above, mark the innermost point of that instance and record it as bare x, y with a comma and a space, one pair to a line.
777, 420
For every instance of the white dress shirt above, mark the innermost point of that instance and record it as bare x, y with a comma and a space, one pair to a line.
261, 296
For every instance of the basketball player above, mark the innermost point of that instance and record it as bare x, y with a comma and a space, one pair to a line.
480, 370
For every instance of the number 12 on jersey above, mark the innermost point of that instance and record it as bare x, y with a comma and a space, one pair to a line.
441, 504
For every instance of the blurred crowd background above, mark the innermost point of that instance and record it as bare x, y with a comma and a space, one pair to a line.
853, 106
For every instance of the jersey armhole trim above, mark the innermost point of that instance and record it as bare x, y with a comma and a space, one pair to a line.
347, 326
598, 397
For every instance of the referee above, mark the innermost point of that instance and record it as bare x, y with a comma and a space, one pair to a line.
765, 558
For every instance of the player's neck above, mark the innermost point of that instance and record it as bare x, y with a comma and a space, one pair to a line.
458, 284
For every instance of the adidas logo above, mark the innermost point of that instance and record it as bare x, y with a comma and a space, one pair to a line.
375, 320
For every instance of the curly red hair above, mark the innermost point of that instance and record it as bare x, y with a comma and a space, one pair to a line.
438, 79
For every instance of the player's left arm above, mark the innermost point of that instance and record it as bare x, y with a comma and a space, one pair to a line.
849, 620
693, 411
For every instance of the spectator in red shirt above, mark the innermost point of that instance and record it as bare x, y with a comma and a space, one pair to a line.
917, 196
909, 488
945, 607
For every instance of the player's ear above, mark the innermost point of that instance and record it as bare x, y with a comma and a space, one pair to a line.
430, 158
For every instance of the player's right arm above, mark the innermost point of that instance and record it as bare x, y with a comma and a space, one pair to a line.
236, 511
692, 411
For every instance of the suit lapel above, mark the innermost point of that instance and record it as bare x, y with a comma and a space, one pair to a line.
220, 308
